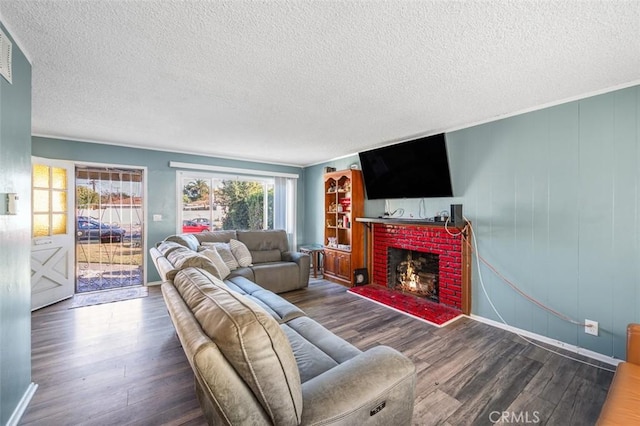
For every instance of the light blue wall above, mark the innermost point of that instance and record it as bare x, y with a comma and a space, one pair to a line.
161, 179
554, 197
15, 236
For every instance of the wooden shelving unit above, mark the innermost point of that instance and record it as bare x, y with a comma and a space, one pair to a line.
343, 238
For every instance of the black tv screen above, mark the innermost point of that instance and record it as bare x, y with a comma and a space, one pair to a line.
415, 169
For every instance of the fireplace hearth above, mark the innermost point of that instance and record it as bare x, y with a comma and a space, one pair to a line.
414, 272
431, 276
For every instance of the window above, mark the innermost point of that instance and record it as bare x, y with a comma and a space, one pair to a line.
226, 202
219, 201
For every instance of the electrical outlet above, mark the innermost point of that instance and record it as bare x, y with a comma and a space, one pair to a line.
591, 327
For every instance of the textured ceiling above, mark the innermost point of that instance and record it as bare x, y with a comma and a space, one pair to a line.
301, 82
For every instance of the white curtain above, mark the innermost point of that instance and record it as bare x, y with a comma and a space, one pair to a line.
284, 207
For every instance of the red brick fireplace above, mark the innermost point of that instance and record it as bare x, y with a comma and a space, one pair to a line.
452, 257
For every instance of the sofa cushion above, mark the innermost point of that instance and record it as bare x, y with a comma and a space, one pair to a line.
335, 347
215, 236
225, 253
269, 239
276, 276
242, 285
187, 240
215, 258
310, 359
240, 252
165, 247
185, 258
265, 256
279, 308
173, 252
250, 339
243, 272
316, 349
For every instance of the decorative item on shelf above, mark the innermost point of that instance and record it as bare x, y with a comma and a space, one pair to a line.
340, 208
329, 223
442, 216
329, 169
332, 208
332, 187
345, 187
354, 166
332, 242
344, 246
345, 222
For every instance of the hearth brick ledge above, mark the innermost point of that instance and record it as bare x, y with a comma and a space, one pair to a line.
453, 256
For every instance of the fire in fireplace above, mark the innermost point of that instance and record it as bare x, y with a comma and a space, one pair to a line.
413, 272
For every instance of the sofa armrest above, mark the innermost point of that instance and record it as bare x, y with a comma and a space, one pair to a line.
633, 343
304, 264
374, 387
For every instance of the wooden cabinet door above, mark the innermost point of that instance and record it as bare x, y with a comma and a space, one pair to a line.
330, 262
344, 266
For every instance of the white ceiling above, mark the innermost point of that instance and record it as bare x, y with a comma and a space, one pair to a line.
301, 82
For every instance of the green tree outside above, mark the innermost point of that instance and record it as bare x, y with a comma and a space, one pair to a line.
244, 203
196, 190
86, 198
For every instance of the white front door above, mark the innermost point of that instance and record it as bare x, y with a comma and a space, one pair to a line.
53, 232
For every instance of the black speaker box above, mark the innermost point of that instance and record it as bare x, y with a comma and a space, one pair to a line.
360, 276
456, 217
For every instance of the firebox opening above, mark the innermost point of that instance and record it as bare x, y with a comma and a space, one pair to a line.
413, 272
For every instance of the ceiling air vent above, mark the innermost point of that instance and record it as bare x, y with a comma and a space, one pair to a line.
5, 56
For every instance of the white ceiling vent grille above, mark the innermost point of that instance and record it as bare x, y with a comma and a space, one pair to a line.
5, 56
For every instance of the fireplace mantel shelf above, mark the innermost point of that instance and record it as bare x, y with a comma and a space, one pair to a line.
401, 221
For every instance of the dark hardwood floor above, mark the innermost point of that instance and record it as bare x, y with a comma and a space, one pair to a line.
121, 363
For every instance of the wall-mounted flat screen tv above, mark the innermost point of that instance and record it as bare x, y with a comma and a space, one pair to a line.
415, 169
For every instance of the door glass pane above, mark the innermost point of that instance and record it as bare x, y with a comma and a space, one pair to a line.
40, 176
59, 201
49, 204
59, 222
40, 201
40, 225
59, 176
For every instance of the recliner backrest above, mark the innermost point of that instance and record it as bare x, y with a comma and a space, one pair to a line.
250, 339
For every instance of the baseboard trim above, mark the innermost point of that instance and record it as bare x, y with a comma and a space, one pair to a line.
22, 405
553, 342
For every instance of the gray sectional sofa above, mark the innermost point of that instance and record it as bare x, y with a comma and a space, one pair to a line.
274, 266
260, 360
